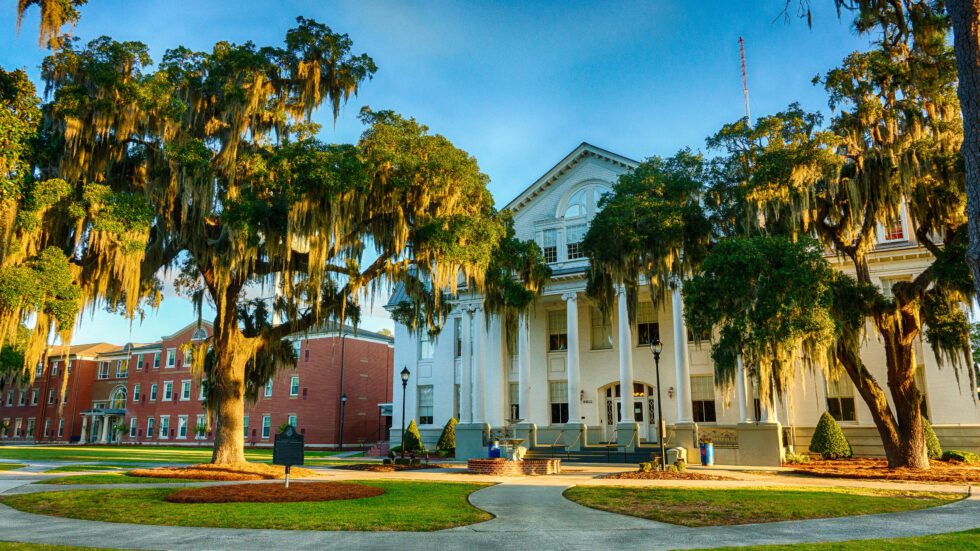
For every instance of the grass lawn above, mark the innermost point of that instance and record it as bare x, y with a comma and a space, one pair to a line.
85, 468
11, 466
414, 506
697, 507
15, 546
136, 454
110, 478
969, 540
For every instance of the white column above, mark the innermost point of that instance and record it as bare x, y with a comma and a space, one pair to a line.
466, 370
84, 437
104, 437
740, 392
767, 412
480, 352
625, 346
572, 367
683, 367
523, 366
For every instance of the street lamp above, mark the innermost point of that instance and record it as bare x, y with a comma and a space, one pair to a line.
343, 404
405, 374
657, 347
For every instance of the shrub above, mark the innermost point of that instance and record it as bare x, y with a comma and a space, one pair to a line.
447, 440
403, 461
969, 458
413, 440
829, 440
681, 465
933, 448
797, 458
672, 469
386, 461
646, 467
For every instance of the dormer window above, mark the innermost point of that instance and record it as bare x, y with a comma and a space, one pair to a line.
895, 230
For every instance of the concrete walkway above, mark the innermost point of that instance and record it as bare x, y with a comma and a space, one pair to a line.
529, 514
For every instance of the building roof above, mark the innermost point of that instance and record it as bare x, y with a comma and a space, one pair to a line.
88, 350
333, 328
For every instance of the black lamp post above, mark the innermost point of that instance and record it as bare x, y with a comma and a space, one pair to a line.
657, 347
343, 405
405, 374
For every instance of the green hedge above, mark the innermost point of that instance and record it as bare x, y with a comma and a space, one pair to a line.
933, 448
413, 440
447, 440
829, 440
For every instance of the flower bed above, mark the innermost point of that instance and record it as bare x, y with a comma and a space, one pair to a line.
665, 475
877, 469
503, 467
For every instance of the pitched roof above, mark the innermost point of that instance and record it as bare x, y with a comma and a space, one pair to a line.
90, 349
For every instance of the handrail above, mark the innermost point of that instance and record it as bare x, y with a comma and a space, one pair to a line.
629, 444
577, 438
554, 444
610, 446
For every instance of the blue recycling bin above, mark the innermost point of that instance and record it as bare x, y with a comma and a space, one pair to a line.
707, 454
493, 450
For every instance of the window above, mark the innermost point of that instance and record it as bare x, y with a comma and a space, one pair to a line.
457, 337
139, 362
153, 392
573, 241
122, 368
199, 334
150, 425
168, 391
888, 283
132, 427
920, 385
515, 400
68, 370
185, 390
30, 428
34, 397
294, 385
54, 369
61, 428
425, 404
426, 347
164, 426
103, 370
22, 398
50, 396
291, 420
200, 427
171, 358
136, 392
266, 425
118, 398
647, 328
156, 360
576, 205
895, 231
38, 369
200, 389
47, 425
17, 425
181, 426
268, 389
188, 358
10, 397
702, 336
558, 397
245, 424
557, 331
6, 423
601, 331
297, 348
549, 245
840, 399
703, 398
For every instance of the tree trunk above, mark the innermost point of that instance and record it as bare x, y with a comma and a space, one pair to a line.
900, 359
228, 380
874, 397
965, 16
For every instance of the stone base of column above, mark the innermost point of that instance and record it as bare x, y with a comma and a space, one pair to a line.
685, 436
527, 431
627, 436
574, 436
760, 444
471, 440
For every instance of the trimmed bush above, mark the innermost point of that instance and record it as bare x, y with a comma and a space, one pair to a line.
447, 440
796, 458
969, 458
413, 440
933, 448
386, 461
681, 465
646, 467
829, 440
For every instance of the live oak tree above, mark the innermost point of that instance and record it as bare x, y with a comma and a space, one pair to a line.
206, 165
55, 14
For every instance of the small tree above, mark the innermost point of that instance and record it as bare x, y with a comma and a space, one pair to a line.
412, 438
933, 448
447, 440
829, 440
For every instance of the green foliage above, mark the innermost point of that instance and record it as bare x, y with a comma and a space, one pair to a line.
412, 438
969, 458
20, 116
680, 465
55, 14
796, 458
42, 285
447, 440
933, 448
646, 467
829, 440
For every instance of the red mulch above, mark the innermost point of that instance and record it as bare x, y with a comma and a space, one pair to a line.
239, 471
274, 493
381, 468
877, 469
665, 475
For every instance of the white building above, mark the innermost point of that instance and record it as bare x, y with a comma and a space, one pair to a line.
561, 373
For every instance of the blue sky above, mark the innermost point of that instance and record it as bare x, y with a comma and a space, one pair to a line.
516, 84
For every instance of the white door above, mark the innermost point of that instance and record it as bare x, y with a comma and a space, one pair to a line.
641, 414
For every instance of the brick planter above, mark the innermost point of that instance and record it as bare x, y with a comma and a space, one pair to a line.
503, 467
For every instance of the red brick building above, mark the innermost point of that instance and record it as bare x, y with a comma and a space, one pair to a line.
152, 393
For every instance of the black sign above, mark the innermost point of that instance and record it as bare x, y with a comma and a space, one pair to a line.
288, 448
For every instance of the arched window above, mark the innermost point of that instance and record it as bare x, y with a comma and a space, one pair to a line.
577, 204
200, 334
584, 201
118, 398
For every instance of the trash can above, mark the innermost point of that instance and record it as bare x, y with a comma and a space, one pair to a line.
707, 454
493, 450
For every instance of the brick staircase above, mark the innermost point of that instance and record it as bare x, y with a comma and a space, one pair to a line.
379, 449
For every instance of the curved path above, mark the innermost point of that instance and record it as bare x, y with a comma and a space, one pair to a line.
528, 515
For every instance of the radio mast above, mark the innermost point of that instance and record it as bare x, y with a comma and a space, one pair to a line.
745, 80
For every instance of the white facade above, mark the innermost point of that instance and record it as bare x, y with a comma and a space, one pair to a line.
565, 365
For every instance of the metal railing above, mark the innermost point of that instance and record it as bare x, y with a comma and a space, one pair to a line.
551, 452
629, 444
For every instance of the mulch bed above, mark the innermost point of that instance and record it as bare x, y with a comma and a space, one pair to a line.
274, 493
877, 469
381, 468
665, 475
207, 471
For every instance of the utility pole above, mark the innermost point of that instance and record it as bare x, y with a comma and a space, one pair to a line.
745, 80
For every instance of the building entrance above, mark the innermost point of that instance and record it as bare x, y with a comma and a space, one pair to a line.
643, 402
